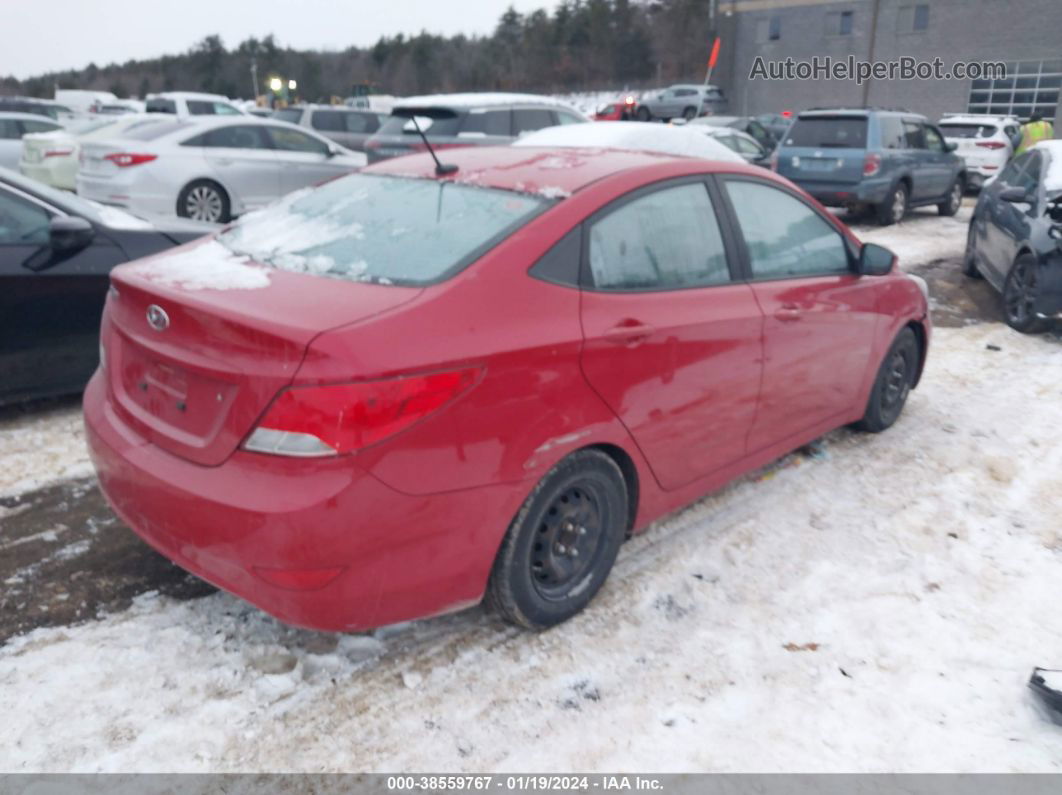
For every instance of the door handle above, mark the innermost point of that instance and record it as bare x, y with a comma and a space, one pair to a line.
787, 313
629, 332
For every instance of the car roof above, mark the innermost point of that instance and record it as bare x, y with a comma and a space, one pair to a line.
564, 170
189, 95
961, 118
19, 115
479, 100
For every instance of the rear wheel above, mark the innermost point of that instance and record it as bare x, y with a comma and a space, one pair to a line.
1019, 296
895, 378
562, 544
644, 114
894, 208
689, 114
204, 200
951, 205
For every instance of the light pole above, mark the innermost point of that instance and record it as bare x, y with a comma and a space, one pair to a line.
254, 77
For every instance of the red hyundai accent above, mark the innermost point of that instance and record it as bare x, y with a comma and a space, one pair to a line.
398, 393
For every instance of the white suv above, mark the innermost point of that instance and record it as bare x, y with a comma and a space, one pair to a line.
985, 142
191, 103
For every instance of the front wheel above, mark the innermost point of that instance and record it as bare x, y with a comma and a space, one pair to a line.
204, 200
969, 259
951, 205
1020, 292
689, 114
562, 544
893, 384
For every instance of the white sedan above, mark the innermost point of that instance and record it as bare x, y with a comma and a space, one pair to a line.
12, 127
208, 168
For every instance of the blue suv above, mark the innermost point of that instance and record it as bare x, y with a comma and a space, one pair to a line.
887, 160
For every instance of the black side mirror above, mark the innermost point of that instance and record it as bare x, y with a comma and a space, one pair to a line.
1014, 195
69, 234
874, 260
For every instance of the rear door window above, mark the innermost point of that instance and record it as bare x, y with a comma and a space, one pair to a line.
531, 119
238, 136
443, 125
784, 237
915, 134
841, 132
892, 135
294, 141
328, 120
487, 122
665, 240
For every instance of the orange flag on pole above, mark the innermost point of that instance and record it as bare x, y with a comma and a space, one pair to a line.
715, 53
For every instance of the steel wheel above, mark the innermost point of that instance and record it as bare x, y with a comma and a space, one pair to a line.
896, 376
897, 383
568, 540
204, 203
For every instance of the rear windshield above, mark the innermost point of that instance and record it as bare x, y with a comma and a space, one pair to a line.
968, 130
828, 131
288, 114
160, 106
403, 125
381, 229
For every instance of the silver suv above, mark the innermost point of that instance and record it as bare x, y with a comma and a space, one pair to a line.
686, 100
349, 127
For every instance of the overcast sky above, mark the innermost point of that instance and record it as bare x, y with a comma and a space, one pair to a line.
47, 35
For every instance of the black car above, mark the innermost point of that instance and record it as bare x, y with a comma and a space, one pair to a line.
56, 252
746, 124
1015, 237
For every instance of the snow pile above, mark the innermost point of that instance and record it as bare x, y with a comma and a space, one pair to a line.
116, 218
922, 237
631, 135
42, 447
876, 603
202, 266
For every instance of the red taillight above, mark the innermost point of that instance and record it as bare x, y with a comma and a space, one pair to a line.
59, 152
126, 159
341, 418
787, 114
991, 144
871, 164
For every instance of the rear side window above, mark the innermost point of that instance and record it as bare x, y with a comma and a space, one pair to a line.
327, 120
292, 115
828, 131
668, 239
160, 106
951, 130
531, 119
235, 137
892, 136
915, 132
784, 236
387, 230
487, 122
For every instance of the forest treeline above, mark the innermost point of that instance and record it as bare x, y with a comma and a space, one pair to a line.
580, 45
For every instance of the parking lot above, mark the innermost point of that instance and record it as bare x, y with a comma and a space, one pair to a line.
868, 603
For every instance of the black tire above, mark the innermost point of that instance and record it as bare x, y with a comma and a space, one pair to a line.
204, 200
951, 205
644, 114
969, 261
689, 114
1019, 296
895, 206
896, 376
581, 504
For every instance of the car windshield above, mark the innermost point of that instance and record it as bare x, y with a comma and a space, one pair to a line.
953, 130
382, 229
403, 125
845, 132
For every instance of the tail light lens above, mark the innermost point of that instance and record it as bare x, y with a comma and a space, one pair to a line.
991, 144
336, 419
59, 152
871, 164
126, 159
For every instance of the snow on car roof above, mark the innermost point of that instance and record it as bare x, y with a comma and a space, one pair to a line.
477, 100
1053, 177
634, 136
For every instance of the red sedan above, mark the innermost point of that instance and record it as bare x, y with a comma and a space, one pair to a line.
400, 392
622, 109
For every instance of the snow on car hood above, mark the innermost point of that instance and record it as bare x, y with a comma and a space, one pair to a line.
636, 135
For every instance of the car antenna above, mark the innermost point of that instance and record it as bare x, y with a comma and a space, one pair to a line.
441, 169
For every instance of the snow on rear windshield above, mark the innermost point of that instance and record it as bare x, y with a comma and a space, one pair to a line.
386, 230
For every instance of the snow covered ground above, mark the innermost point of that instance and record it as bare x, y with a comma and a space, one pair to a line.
874, 603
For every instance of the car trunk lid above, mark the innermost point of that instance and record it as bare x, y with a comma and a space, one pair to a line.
194, 357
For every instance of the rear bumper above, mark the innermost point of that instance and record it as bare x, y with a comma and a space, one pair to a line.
50, 172
842, 194
397, 556
133, 195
